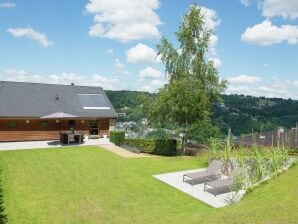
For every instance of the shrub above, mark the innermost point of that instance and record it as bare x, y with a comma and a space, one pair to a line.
117, 137
157, 134
165, 147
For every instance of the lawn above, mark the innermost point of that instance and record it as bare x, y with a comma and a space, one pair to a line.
91, 185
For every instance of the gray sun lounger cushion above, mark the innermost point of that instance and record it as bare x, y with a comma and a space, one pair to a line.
217, 187
211, 173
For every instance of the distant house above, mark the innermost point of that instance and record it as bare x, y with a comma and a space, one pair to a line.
23, 104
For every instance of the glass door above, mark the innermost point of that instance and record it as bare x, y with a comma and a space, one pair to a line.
93, 127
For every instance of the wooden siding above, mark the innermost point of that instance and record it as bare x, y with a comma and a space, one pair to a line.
104, 127
34, 131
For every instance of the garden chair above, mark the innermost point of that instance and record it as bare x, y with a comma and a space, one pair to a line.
212, 172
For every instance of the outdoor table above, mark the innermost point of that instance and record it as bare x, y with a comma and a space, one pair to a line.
66, 136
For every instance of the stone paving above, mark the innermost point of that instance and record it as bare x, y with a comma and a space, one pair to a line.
197, 191
102, 142
47, 144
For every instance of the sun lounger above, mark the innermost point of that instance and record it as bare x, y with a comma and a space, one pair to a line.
217, 187
211, 173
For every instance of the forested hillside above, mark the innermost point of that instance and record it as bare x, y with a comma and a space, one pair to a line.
238, 112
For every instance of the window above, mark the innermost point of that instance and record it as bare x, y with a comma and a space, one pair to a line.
43, 123
12, 124
71, 123
93, 127
93, 101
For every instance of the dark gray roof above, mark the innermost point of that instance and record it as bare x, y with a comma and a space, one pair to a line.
20, 99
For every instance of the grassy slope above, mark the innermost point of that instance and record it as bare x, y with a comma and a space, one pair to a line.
90, 185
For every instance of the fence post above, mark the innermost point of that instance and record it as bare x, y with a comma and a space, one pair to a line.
229, 139
296, 134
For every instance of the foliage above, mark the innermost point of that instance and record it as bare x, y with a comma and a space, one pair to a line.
193, 81
167, 147
244, 113
256, 164
157, 134
215, 145
278, 157
124, 98
238, 112
117, 137
260, 165
128, 102
225, 154
202, 131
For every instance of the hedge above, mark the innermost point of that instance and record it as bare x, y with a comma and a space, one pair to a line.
117, 137
165, 147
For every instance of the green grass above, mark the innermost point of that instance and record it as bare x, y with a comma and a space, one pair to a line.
91, 185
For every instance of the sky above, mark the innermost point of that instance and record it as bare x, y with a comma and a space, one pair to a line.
112, 43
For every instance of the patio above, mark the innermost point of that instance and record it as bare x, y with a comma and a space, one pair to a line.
48, 144
175, 180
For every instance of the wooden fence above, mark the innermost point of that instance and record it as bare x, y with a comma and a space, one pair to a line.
279, 137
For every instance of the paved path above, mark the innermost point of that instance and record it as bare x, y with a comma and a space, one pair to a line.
123, 152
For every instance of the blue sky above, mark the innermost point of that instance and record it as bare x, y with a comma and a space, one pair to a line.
111, 43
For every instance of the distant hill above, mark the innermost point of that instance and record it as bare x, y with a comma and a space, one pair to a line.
238, 112
244, 113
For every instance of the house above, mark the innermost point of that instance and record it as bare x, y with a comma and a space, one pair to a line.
22, 106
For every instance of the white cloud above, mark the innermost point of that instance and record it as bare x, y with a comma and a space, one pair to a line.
269, 88
30, 33
213, 40
284, 8
246, 3
105, 82
124, 20
96, 30
266, 89
153, 86
244, 79
267, 34
150, 73
240, 90
147, 88
20, 76
118, 64
119, 67
266, 65
110, 51
64, 78
152, 79
141, 53
216, 62
7, 5
211, 18
211, 23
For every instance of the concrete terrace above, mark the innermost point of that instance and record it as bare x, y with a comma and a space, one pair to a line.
102, 142
47, 144
175, 180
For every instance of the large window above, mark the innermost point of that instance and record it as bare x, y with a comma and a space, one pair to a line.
71, 123
43, 123
93, 101
93, 127
12, 124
